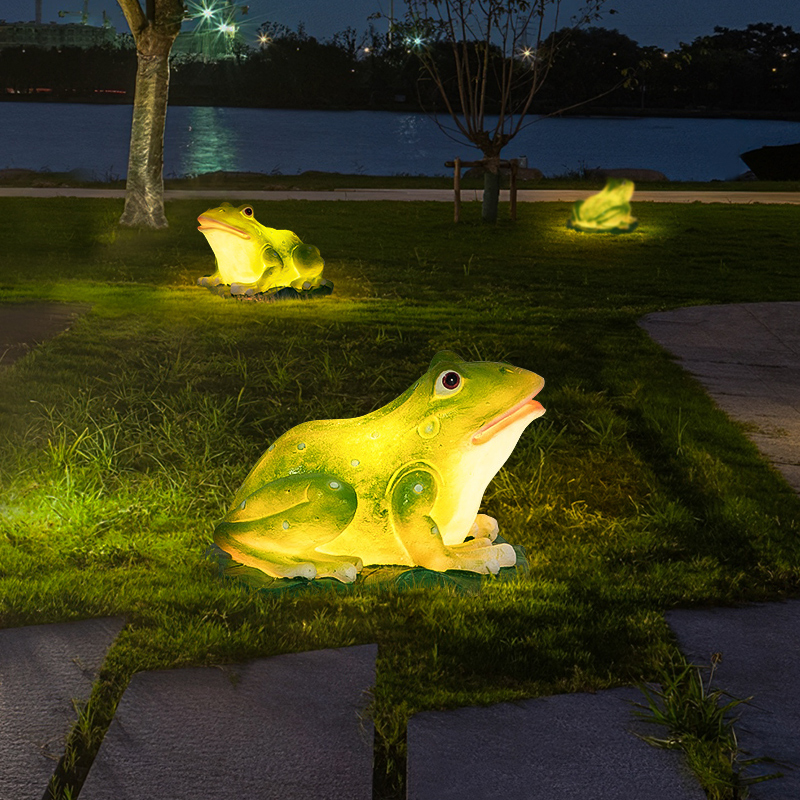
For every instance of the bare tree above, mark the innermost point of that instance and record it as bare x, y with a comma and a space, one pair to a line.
154, 30
500, 52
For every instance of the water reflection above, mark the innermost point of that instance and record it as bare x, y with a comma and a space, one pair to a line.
63, 136
209, 142
408, 128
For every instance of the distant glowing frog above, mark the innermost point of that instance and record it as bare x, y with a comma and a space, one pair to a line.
608, 211
252, 258
401, 485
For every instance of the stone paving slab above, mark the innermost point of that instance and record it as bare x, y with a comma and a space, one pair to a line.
747, 356
25, 325
566, 747
291, 726
42, 669
760, 647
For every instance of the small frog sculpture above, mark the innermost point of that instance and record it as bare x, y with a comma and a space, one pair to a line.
253, 259
401, 485
608, 211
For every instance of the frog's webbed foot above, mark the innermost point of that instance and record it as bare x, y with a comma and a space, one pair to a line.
210, 281
413, 496
243, 289
279, 565
480, 555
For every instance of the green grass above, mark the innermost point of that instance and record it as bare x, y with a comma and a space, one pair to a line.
122, 441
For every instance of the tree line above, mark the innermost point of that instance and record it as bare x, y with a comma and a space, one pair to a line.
756, 69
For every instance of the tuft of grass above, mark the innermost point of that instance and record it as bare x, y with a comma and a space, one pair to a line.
700, 721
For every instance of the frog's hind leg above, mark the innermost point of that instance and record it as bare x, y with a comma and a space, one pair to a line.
281, 565
277, 527
277, 565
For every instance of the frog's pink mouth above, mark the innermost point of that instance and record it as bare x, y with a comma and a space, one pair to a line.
207, 224
525, 408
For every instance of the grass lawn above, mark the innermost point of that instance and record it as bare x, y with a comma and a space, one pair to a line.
122, 441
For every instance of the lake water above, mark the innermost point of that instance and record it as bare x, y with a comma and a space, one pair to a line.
62, 136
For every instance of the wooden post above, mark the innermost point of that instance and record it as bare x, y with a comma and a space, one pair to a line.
456, 189
513, 190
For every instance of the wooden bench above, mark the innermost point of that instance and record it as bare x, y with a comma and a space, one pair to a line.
457, 164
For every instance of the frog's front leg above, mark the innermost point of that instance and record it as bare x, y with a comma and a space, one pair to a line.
277, 527
309, 265
484, 527
412, 497
210, 281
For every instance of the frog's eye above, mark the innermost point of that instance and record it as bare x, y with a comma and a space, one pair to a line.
247, 211
448, 382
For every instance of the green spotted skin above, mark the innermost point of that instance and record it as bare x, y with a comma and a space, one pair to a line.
401, 485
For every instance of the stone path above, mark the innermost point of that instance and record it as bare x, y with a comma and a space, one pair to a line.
435, 195
25, 325
567, 747
760, 647
747, 356
43, 668
291, 726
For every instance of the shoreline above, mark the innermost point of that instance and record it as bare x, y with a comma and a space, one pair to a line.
408, 108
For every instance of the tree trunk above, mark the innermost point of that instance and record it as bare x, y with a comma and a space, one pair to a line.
144, 189
491, 189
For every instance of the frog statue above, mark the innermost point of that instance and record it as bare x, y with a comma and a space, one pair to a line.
253, 259
608, 211
401, 485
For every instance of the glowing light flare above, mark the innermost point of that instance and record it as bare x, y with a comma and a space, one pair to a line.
608, 211
414, 41
401, 485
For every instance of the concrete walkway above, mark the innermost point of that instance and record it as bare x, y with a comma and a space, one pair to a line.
44, 671
436, 195
567, 747
759, 647
747, 356
291, 726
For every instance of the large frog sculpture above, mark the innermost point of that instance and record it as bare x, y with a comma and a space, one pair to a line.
608, 211
253, 259
401, 485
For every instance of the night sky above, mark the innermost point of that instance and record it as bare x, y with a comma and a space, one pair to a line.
664, 23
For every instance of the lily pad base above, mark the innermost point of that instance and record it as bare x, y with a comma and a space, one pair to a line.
577, 226
324, 288
379, 576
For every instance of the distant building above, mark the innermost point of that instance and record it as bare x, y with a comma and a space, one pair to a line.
54, 35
